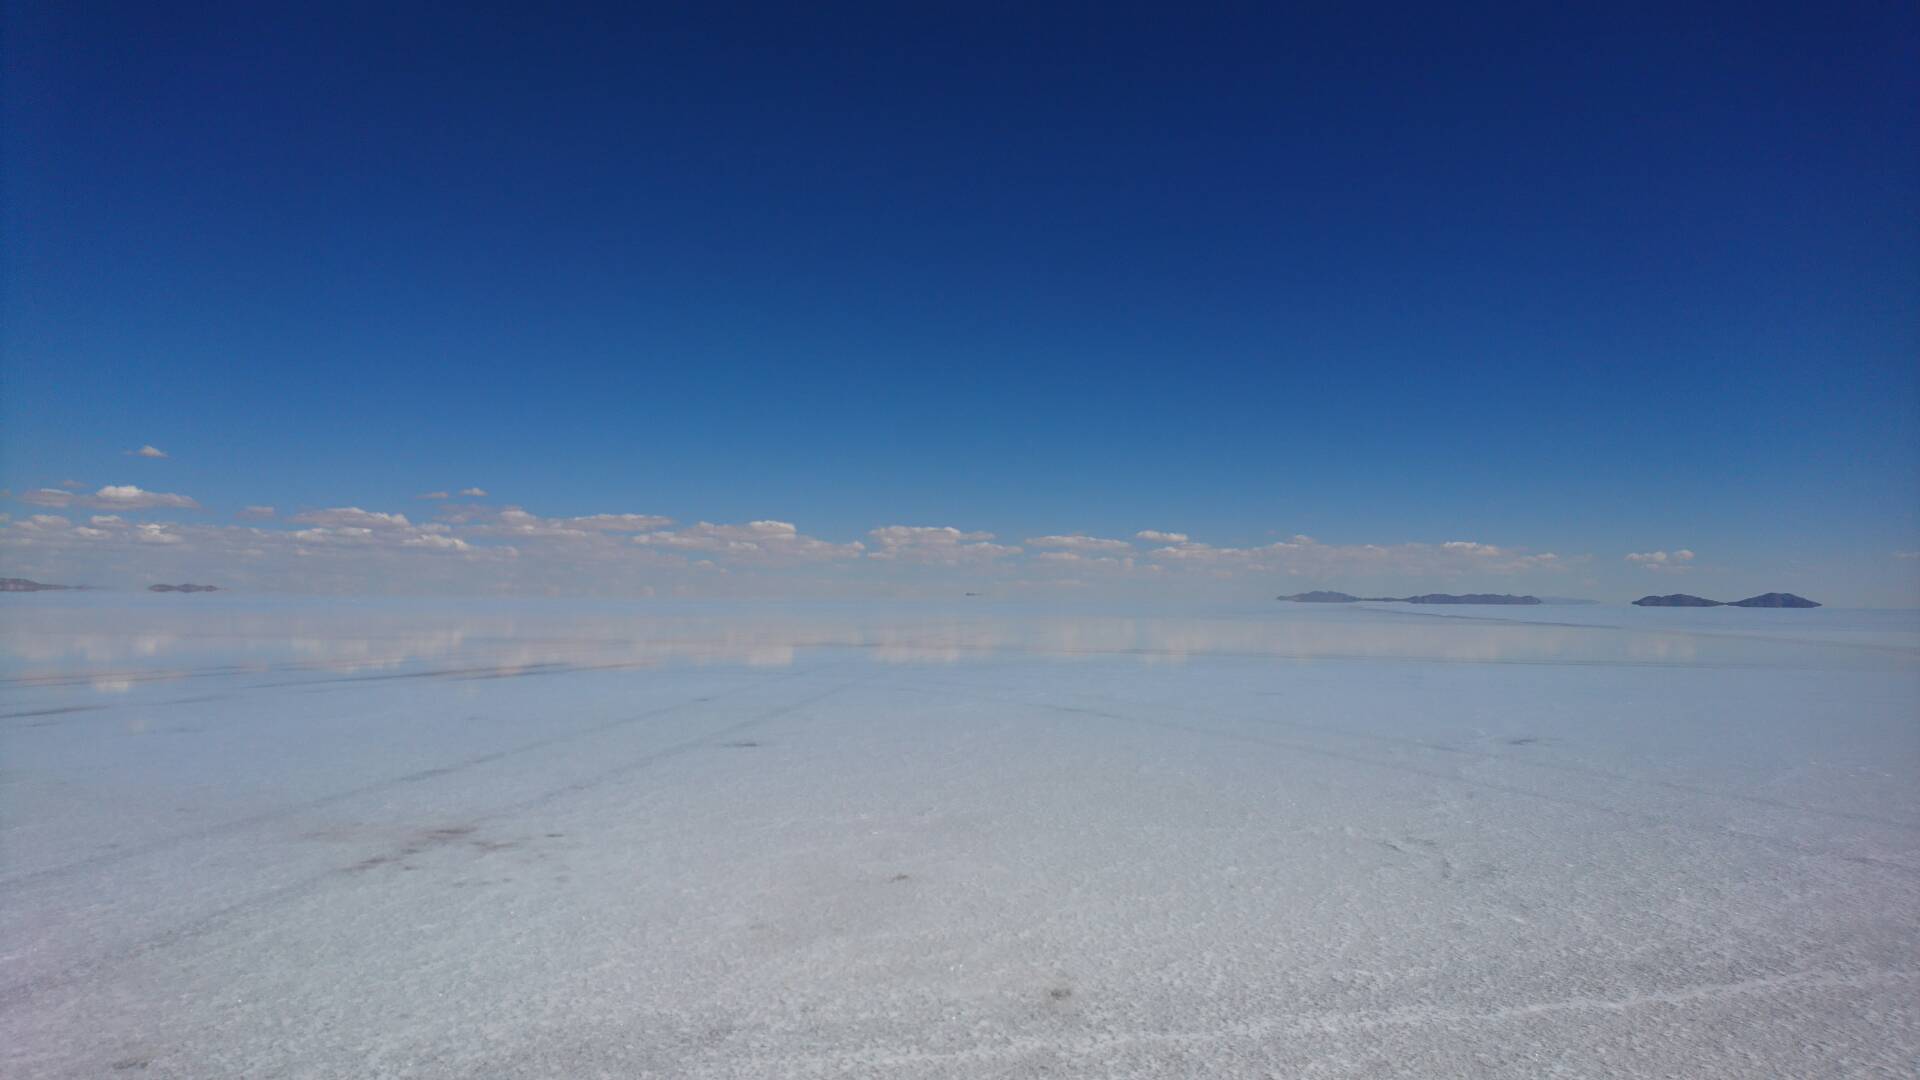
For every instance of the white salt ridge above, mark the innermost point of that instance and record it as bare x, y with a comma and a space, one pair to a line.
255, 838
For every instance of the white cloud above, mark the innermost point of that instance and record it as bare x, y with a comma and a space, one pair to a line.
147, 451
1303, 556
1665, 562
353, 517
153, 533
619, 522
434, 495
925, 534
517, 522
774, 540
513, 521
474, 492
942, 544
437, 540
347, 548
1906, 554
133, 498
111, 497
1080, 542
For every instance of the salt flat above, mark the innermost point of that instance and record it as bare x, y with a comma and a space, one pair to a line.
253, 838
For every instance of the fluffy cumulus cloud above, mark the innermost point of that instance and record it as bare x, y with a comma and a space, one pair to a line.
480, 547
620, 522
474, 492
352, 517
940, 544
127, 496
778, 541
40, 523
152, 532
148, 451
111, 497
1079, 542
335, 556
1665, 562
434, 495
516, 522
1303, 556
439, 541
1501, 558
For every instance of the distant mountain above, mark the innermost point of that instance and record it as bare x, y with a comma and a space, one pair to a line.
1772, 599
1775, 599
183, 588
1566, 600
20, 584
1322, 597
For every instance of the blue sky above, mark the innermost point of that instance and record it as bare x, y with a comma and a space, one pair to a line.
1591, 283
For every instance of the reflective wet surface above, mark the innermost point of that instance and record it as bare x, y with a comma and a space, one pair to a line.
254, 837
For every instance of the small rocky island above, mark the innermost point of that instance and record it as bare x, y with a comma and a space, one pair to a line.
20, 584
1769, 600
1775, 599
183, 588
1323, 597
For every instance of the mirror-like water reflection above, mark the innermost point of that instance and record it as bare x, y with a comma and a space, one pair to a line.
798, 840
114, 645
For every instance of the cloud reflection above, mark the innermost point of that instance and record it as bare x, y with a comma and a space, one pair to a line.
301, 640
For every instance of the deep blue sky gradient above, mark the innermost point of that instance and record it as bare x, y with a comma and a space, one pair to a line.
1592, 281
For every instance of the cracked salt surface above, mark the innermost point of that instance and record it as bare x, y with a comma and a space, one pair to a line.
285, 838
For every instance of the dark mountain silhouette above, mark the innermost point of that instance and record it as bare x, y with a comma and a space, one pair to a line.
1772, 599
20, 584
1775, 599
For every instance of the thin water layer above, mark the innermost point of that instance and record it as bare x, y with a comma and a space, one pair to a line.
246, 837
